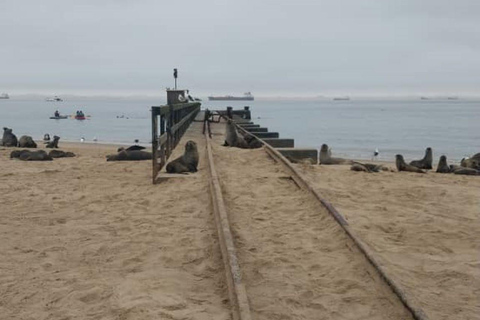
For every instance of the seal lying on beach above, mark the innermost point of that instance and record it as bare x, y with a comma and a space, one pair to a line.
462, 170
426, 162
402, 166
131, 148
367, 167
15, 154
60, 154
326, 157
188, 162
135, 155
472, 162
46, 138
442, 166
9, 139
27, 155
54, 143
26, 142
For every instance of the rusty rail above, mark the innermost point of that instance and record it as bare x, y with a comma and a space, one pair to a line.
236, 289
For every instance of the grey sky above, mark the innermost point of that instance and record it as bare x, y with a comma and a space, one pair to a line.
269, 47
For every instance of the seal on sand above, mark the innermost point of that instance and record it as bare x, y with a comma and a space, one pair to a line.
464, 171
426, 162
367, 167
54, 143
233, 138
15, 154
442, 166
131, 148
188, 162
473, 162
402, 166
326, 157
26, 142
39, 155
60, 154
9, 139
135, 155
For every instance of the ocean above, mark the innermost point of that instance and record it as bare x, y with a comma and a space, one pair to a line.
353, 128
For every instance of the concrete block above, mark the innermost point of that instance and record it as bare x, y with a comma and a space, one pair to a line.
297, 155
255, 130
280, 143
262, 135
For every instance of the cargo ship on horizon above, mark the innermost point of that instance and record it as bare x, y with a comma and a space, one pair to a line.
246, 96
4, 96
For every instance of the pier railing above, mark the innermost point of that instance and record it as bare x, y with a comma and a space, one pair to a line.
169, 123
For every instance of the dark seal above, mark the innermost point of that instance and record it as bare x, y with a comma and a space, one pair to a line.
426, 162
442, 166
188, 162
367, 167
39, 155
54, 143
9, 139
61, 154
402, 166
135, 155
26, 142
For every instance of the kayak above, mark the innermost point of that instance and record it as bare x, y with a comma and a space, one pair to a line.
80, 117
59, 117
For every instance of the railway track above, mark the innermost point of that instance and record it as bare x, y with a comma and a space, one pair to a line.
287, 252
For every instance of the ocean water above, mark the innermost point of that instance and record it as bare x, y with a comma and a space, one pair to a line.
352, 128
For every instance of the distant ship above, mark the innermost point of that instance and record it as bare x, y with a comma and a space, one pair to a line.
341, 98
56, 98
424, 98
4, 96
452, 98
246, 96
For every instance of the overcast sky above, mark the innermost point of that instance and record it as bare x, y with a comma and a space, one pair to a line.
268, 47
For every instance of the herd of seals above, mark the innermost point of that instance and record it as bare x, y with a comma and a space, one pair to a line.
468, 166
9, 139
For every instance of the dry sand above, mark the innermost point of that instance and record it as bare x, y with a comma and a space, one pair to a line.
82, 238
424, 228
297, 263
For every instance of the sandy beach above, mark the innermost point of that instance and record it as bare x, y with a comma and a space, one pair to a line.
423, 228
82, 238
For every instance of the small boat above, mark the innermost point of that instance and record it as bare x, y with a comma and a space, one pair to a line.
341, 98
59, 117
80, 118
